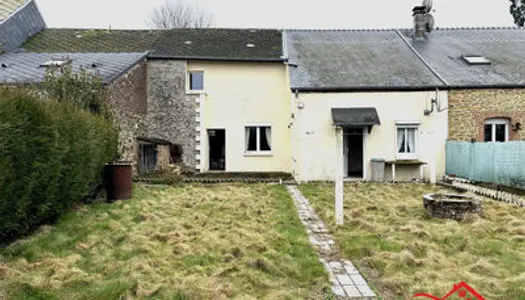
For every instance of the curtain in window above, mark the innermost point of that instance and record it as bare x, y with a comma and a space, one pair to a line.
268, 131
247, 138
401, 140
411, 138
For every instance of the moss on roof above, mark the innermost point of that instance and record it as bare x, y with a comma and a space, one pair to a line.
92, 40
209, 43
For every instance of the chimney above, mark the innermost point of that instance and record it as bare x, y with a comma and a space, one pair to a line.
423, 20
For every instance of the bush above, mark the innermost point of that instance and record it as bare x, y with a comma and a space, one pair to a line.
51, 156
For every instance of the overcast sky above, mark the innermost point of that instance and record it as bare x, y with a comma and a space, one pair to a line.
280, 13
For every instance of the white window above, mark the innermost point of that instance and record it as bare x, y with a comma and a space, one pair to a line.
496, 130
196, 81
54, 63
407, 142
258, 139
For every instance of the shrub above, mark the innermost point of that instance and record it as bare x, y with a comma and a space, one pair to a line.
51, 156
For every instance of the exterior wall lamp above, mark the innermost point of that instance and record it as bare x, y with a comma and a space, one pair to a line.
516, 126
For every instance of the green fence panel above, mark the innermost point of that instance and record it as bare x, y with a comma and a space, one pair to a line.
499, 163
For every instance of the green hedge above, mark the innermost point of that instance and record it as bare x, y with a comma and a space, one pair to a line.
51, 156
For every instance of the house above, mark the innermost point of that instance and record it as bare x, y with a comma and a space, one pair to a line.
484, 71
359, 95
19, 20
207, 89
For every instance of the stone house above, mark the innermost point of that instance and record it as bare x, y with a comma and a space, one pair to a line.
484, 71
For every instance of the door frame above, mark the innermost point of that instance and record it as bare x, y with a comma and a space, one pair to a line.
208, 165
365, 156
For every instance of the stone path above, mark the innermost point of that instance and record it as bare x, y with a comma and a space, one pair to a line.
346, 281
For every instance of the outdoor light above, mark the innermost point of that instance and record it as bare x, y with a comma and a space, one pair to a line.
516, 126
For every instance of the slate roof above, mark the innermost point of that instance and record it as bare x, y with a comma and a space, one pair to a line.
212, 43
19, 68
217, 43
91, 40
355, 60
504, 47
7, 7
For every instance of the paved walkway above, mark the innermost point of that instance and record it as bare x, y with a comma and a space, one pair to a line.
346, 280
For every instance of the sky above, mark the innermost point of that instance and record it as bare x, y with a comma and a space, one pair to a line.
132, 14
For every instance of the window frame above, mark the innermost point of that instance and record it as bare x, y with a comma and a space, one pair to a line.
407, 156
493, 122
189, 89
258, 152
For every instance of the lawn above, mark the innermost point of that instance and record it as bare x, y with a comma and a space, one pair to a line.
403, 252
185, 242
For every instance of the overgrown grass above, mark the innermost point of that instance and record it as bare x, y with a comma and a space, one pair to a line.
403, 252
186, 242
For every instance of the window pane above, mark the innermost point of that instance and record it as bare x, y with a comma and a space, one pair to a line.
401, 140
500, 132
488, 133
251, 138
266, 137
411, 140
196, 81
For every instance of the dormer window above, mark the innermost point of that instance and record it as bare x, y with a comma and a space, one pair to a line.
54, 63
476, 60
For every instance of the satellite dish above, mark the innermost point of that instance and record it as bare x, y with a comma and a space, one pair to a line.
428, 5
429, 20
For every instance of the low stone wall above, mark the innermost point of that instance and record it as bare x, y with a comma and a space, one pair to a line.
448, 206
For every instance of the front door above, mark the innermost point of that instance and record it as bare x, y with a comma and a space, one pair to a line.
354, 152
217, 144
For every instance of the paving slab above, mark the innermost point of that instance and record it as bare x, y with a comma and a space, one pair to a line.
347, 282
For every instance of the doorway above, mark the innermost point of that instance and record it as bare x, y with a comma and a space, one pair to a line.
353, 152
217, 149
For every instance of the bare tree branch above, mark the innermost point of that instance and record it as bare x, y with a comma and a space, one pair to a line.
180, 14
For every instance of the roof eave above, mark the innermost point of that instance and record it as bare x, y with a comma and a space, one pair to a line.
368, 89
210, 58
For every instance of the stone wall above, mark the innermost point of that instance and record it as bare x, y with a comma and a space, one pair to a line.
468, 110
171, 113
19, 27
128, 98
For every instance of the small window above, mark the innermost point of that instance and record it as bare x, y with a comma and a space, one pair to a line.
406, 144
476, 60
496, 130
196, 81
258, 139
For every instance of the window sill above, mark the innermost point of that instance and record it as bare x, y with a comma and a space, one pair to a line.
258, 154
195, 92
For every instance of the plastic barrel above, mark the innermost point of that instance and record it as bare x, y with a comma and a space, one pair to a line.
118, 179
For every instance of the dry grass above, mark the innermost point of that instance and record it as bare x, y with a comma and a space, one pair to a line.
186, 242
403, 252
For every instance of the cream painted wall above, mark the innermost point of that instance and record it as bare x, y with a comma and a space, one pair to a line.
243, 93
314, 136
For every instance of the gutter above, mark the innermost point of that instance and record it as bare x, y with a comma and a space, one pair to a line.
366, 89
210, 58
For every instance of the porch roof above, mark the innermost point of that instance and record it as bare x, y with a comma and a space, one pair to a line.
353, 117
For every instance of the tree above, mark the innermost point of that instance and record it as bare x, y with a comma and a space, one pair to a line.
517, 10
180, 14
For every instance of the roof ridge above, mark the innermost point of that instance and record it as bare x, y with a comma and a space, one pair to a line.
480, 28
343, 29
